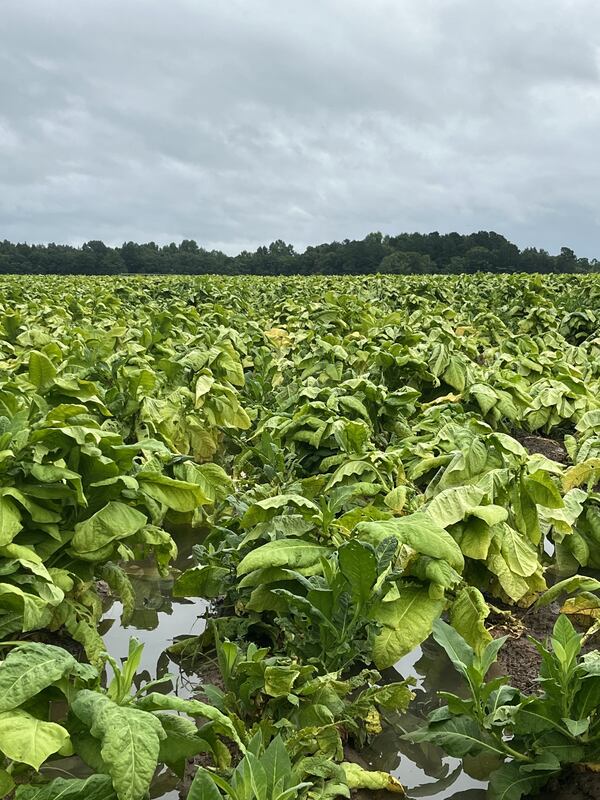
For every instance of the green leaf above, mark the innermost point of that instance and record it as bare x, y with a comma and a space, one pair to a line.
359, 566
490, 652
130, 740
96, 787
114, 521
535, 717
566, 642
204, 581
509, 783
41, 370
291, 553
10, 521
7, 784
256, 774
29, 669
454, 645
29, 740
458, 736
418, 531
468, 613
178, 495
162, 702
203, 787
587, 698
406, 622
561, 746
276, 763
577, 727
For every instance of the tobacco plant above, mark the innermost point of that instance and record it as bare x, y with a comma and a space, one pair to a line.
533, 737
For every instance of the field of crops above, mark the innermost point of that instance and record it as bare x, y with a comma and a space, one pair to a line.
360, 464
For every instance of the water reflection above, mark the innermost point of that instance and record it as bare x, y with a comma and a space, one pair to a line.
415, 765
159, 618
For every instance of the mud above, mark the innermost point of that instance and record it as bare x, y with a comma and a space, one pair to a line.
551, 448
519, 658
575, 783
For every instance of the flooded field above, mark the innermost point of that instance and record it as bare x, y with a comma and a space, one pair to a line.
159, 619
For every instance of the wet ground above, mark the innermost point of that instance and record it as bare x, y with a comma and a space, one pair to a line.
159, 618
424, 770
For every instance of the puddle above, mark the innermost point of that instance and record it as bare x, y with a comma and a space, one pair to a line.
424, 769
159, 618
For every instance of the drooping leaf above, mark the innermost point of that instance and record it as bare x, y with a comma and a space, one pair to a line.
114, 521
406, 622
29, 740
418, 531
130, 740
468, 613
96, 787
359, 778
568, 586
176, 494
162, 702
29, 669
291, 553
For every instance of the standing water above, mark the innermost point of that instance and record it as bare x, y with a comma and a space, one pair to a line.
159, 618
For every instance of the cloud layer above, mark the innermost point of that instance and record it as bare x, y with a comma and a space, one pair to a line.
239, 122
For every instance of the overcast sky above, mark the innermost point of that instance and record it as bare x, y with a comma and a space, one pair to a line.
237, 122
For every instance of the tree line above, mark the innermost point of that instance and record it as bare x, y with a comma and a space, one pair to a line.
407, 253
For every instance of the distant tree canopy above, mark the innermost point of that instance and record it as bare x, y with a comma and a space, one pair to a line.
407, 253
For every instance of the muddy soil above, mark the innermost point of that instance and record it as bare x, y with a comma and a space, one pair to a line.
519, 658
551, 448
573, 784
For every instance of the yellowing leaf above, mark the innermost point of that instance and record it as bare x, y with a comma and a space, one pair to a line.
406, 622
29, 740
359, 778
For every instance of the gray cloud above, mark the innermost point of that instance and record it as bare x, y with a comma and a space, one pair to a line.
239, 122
